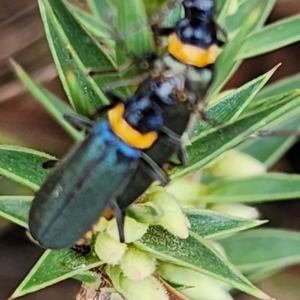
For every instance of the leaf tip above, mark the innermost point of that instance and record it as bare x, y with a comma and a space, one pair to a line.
274, 69
277, 66
13, 296
260, 222
13, 63
264, 296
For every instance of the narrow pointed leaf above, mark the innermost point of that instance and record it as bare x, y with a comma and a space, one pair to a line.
24, 165
101, 9
230, 106
260, 188
265, 248
271, 37
236, 21
238, 26
53, 267
52, 104
15, 209
209, 224
224, 8
92, 23
280, 87
269, 149
135, 37
75, 52
196, 254
204, 149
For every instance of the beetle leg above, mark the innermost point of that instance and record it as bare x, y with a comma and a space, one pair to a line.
170, 137
153, 168
119, 215
181, 155
79, 122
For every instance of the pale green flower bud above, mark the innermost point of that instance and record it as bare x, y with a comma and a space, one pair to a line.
237, 210
101, 225
173, 218
199, 286
137, 264
148, 289
187, 192
155, 189
108, 249
133, 230
234, 163
147, 212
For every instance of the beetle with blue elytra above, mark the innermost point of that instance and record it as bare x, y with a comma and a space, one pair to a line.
96, 171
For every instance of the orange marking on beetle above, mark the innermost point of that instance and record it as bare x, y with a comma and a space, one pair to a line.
190, 54
124, 131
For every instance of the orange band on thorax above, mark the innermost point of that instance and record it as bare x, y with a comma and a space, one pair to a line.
190, 54
124, 131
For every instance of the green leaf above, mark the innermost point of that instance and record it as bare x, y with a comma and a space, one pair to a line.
75, 52
270, 148
224, 8
135, 37
87, 276
249, 16
50, 102
209, 224
131, 24
235, 21
231, 105
271, 37
102, 10
24, 165
194, 253
156, 6
206, 148
15, 209
265, 187
282, 86
265, 248
53, 267
92, 23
